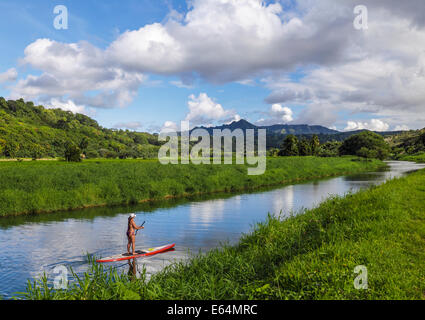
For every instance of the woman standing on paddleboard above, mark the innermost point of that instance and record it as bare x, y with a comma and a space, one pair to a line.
131, 235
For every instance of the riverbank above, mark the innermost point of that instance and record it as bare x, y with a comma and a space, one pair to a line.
308, 256
48, 186
418, 158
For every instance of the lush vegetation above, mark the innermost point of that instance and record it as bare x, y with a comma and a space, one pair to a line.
308, 256
366, 144
292, 146
28, 131
42, 186
418, 157
408, 145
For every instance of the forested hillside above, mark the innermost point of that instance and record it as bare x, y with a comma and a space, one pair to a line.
408, 145
28, 131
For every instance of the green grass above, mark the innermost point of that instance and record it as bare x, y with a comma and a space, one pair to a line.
46, 186
419, 157
307, 256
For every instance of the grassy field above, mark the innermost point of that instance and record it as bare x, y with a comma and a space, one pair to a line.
46, 186
308, 256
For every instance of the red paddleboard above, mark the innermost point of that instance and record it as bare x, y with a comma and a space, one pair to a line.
138, 254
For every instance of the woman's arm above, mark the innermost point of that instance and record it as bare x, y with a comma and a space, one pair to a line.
136, 227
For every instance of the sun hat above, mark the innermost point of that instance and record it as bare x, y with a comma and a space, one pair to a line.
133, 215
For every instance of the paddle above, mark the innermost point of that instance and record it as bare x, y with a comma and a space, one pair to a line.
141, 226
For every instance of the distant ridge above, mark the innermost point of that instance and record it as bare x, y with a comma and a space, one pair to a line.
277, 132
276, 129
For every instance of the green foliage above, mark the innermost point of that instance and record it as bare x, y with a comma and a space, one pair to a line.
72, 153
37, 151
84, 144
305, 148
365, 144
407, 143
329, 149
418, 157
45, 186
289, 146
315, 145
307, 256
273, 152
99, 283
293, 146
28, 131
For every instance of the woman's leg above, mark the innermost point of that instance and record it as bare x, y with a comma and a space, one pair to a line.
128, 244
133, 240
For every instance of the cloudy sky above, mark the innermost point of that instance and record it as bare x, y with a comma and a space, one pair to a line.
146, 64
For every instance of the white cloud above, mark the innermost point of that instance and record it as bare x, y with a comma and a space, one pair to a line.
247, 82
276, 115
68, 105
236, 118
373, 125
79, 72
381, 72
9, 75
133, 125
181, 84
203, 109
229, 40
170, 126
401, 128
284, 113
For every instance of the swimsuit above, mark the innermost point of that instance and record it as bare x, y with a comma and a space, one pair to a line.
130, 233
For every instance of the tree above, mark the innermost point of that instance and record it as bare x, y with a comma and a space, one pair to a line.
84, 144
329, 149
124, 154
304, 148
2, 145
273, 152
139, 139
61, 124
289, 146
36, 152
422, 138
72, 153
358, 143
315, 145
11, 149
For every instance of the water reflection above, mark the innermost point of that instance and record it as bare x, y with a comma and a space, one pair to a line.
39, 243
204, 213
283, 202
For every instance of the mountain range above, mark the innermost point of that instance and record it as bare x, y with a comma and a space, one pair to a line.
276, 133
279, 129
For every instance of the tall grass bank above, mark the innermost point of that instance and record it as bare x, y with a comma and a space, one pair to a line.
45, 186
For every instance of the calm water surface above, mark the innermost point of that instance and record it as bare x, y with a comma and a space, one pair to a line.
32, 245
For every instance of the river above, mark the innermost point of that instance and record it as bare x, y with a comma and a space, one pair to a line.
32, 245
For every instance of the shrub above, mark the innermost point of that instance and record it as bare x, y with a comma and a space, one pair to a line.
72, 153
358, 143
289, 146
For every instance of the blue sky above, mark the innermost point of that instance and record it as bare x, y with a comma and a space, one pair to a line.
210, 62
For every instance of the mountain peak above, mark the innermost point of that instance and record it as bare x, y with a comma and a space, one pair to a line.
242, 121
276, 129
240, 124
